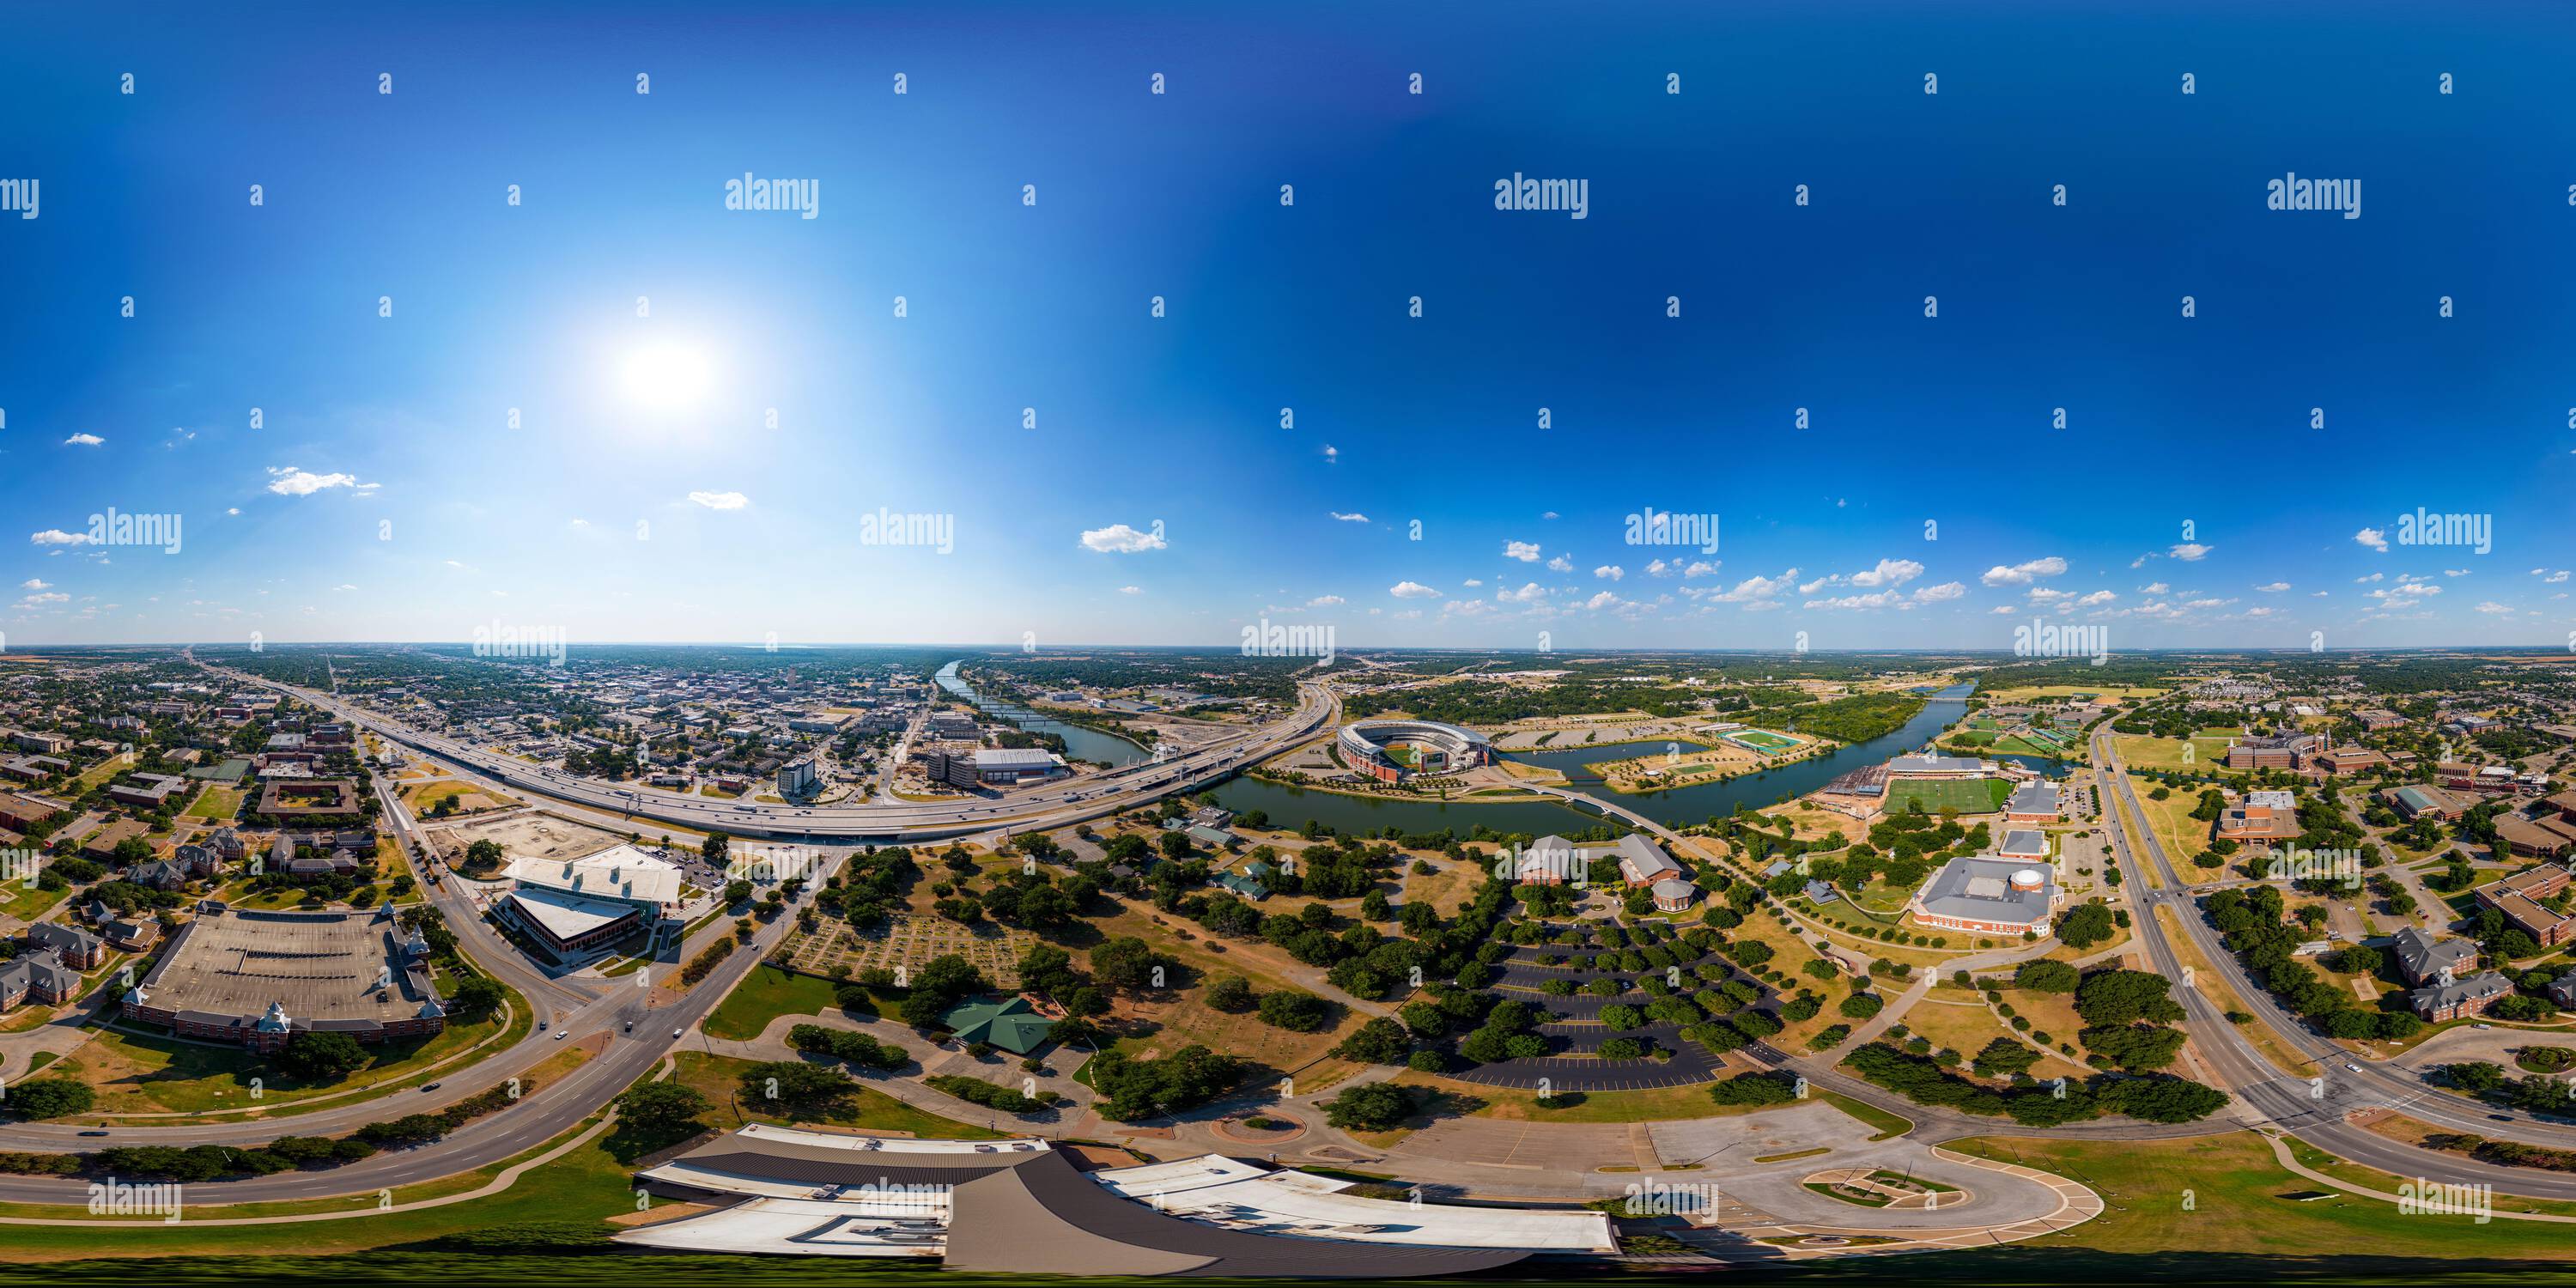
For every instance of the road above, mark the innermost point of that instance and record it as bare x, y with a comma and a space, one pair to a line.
1053, 806
2334, 1084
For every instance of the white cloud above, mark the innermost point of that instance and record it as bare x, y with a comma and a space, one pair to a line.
236, 511
2097, 597
2555, 577
1348, 518
1465, 608
1702, 568
1529, 593
1547, 514
2189, 551
720, 500
1131, 590
35, 583
1332, 454
2274, 588
58, 537
2155, 588
1612, 571
1119, 539
1560, 564
344, 587
2022, 574
287, 480
2373, 538
1323, 601
1475, 581
2001, 609
1525, 551
49, 597
2363, 581
1936, 594
2490, 606
2455, 572
1658, 568
1603, 600
1759, 590
1412, 590
1895, 572
83, 440
2048, 594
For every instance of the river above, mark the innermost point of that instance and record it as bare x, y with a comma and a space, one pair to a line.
1677, 807
1079, 743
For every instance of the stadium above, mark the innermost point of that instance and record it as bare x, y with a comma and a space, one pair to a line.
1391, 750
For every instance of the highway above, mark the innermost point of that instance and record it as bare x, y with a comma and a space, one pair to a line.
2334, 1083
1052, 806
576, 1009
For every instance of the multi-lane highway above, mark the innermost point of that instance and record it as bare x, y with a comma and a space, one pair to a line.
1054, 805
2314, 1101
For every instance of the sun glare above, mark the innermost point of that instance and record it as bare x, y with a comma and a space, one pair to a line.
667, 377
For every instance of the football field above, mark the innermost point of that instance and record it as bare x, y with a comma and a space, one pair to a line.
1966, 795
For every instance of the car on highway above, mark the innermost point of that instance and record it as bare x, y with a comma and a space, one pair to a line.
94, 1132
429, 1086
2350, 1065
541, 1025
559, 1035
675, 1033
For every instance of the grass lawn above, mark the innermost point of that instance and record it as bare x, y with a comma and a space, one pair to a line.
2208, 750
2221, 994
1512, 1104
1887, 1125
718, 1078
217, 803
764, 995
138, 1073
2182, 835
1171, 1025
423, 796
2237, 1225
30, 904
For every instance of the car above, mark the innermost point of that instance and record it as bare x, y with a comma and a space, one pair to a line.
675, 1033
2481, 1026
559, 1035
429, 1086
94, 1132
542, 1024
2502, 1118
630, 1026
2350, 1065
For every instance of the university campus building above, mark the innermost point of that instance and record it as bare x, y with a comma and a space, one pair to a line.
256, 979
576, 906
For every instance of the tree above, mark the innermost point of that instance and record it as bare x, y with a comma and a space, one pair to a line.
2134, 1046
660, 1108
2126, 996
1375, 1106
2003, 1057
1295, 1012
796, 1089
476, 997
2086, 926
1128, 963
322, 1057
1230, 993
2046, 976
1380, 1041
1755, 1089
483, 855
49, 1098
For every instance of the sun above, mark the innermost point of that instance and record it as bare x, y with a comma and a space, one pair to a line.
667, 377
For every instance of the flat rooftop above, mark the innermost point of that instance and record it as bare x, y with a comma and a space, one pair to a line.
319, 966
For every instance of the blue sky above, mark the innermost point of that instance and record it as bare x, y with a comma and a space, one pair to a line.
645, 494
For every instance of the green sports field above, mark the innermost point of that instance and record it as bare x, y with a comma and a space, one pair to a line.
1761, 740
1966, 795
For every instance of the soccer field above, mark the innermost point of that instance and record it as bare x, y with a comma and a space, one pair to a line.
1761, 740
1966, 795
